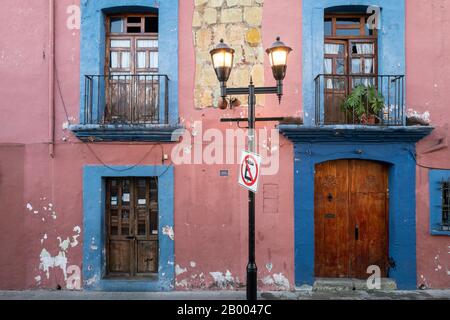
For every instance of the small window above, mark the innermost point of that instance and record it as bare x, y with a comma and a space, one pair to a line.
439, 202
445, 210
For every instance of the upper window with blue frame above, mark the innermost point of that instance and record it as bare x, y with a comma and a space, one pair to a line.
440, 202
128, 92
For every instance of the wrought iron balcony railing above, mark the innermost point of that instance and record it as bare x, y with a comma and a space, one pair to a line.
126, 99
373, 100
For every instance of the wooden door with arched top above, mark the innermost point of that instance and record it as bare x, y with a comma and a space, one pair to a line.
351, 218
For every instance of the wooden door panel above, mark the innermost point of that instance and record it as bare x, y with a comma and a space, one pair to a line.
147, 257
131, 217
351, 221
331, 219
120, 252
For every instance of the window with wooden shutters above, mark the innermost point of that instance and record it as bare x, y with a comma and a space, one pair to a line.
132, 226
132, 86
350, 59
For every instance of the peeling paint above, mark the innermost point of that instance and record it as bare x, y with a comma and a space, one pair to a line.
168, 231
29, 207
91, 281
48, 262
278, 280
193, 264
179, 270
223, 281
269, 267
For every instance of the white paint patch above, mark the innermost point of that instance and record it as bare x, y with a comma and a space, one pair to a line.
44, 238
37, 278
29, 207
268, 281
223, 281
182, 283
63, 244
179, 270
91, 281
74, 241
278, 280
193, 264
168, 231
48, 262
35, 212
281, 281
269, 267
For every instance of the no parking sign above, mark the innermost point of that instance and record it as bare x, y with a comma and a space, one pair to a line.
250, 170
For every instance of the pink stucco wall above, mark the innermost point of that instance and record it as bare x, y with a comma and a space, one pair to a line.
210, 211
428, 89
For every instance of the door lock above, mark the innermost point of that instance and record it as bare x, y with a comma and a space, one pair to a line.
356, 232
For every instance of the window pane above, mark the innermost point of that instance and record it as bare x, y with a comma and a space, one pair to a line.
141, 60
347, 32
368, 66
125, 60
331, 48
114, 59
134, 29
120, 43
154, 60
134, 19
147, 43
151, 24
356, 66
340, 66
348, 21
328, 66
116, 25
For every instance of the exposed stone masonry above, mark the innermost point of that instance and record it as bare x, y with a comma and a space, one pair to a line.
238, 22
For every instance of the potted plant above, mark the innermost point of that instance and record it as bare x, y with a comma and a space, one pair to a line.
365, 102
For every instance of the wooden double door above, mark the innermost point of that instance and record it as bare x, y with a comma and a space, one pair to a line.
351, 218
132, 227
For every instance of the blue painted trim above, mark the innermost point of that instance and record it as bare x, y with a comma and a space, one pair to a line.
351, 133
435, 179
94, 233
145, 133
92, 55
391, 44
402, 204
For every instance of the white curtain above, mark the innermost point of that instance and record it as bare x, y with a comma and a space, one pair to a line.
366, 48
330, 48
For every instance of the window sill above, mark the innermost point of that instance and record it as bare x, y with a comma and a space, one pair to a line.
438, 231
353, 133
124, 132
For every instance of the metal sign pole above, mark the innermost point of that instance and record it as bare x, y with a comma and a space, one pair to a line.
252, 269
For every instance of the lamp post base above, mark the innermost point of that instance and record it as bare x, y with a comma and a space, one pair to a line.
252, 283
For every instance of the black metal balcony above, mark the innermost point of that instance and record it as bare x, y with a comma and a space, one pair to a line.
130, 99
372, 100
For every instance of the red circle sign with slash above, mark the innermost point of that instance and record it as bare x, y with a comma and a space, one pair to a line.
246, 173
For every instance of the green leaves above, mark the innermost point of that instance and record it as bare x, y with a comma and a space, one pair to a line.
364, 100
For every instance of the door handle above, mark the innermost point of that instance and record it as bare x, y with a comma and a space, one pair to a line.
356, 232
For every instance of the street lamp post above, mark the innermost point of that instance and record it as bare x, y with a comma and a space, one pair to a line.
222, 58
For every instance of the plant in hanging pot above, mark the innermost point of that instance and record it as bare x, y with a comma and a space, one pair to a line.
365, 103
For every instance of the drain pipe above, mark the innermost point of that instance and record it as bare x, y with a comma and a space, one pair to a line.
51, 78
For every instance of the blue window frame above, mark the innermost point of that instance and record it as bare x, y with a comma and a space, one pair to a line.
439, 202
92, 62
94, 263
391, 41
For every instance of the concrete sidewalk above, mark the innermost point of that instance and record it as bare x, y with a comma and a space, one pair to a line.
227, 295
